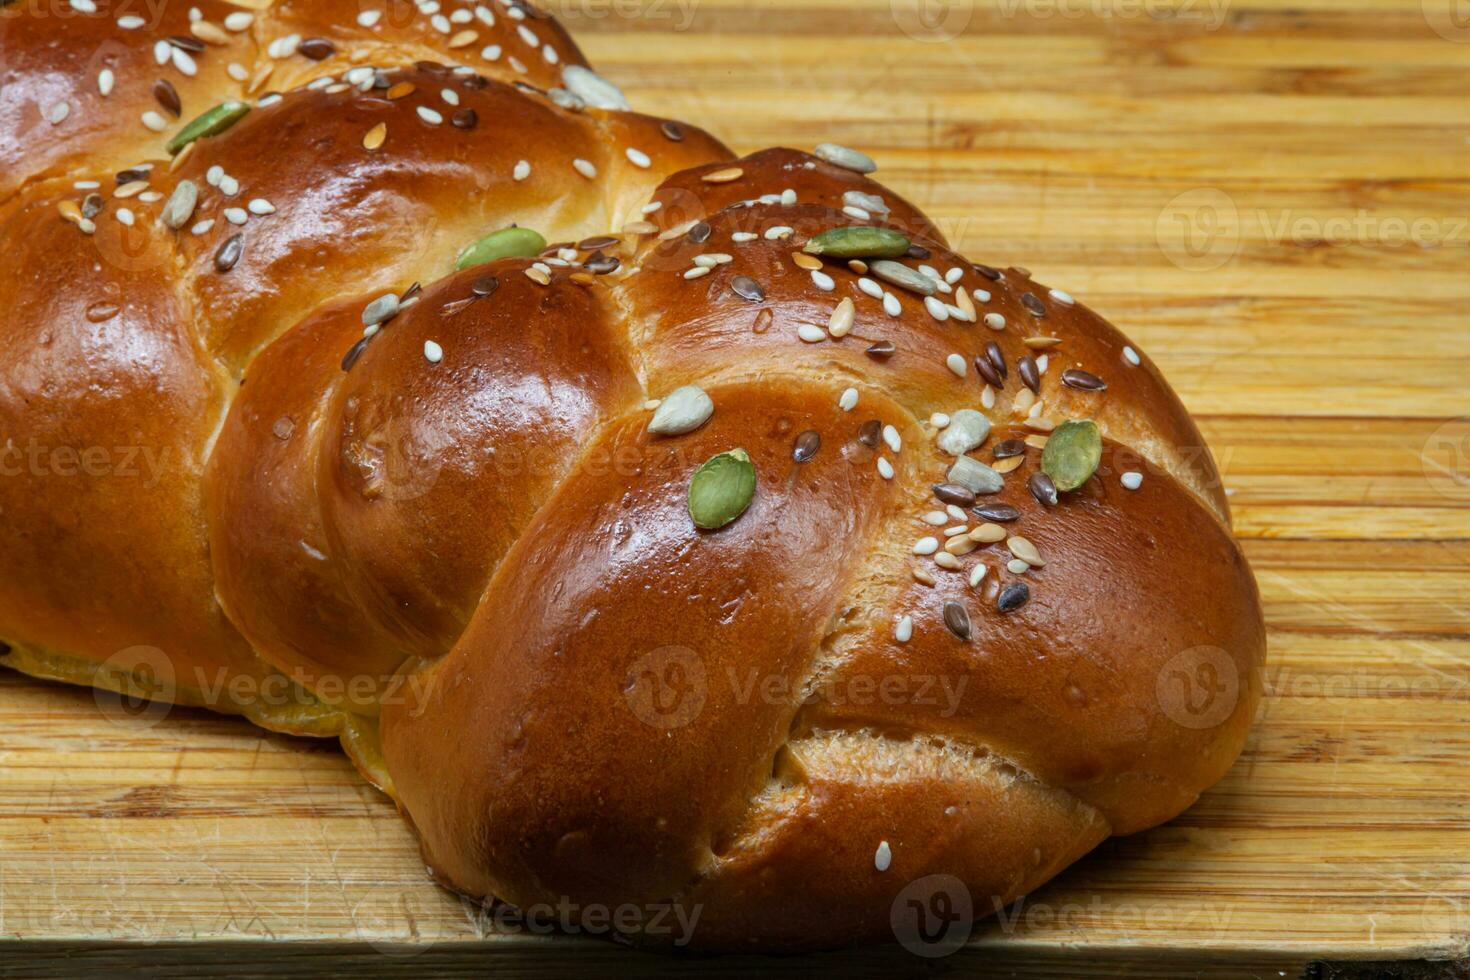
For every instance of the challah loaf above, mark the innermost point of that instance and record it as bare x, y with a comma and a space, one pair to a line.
744, 548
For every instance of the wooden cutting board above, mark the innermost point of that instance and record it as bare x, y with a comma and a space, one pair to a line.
1271, 198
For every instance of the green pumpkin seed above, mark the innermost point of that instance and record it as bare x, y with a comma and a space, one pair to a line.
1072, 453
721, 489
502, 244
857, 243
211, 123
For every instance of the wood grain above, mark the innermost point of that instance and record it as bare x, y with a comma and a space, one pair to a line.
1226, 185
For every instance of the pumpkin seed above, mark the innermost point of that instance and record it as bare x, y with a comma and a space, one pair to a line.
505, 243
684, 410
1072, 453
721, 489
857, 242
975, 476
211, 123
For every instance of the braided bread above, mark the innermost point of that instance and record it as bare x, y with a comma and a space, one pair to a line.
744, 548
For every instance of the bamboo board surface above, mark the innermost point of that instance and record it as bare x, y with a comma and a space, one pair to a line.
1273, 200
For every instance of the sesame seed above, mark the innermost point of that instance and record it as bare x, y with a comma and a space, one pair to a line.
1062, 297
883, 857
369, 18
823, 281
743, 236
236, 216
892, 438
956, 363
430, 116
124, 216
926, 546
374, 137
58, 112
723, 176
261, 206
935, 517
239, 21
870, 287
857, 213
995, 321
491, 53
585, 168
904, 631
1132, 480
840, 323
1131, 356
1017, 567
697, 272
849, 400
522, 170
936, 309
449, 95
105, 81
891, 306
433, 353
885, 468
229, 186
464, 38
130, 22
184, 62
811, 334
939, 420
638, 158
202, 227
777, 232
154, 121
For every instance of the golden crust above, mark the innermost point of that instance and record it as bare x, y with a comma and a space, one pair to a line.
452, 538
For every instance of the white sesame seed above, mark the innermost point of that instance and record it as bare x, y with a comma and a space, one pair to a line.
1017, 567
1131, 356
105, 80
697, 272
891, 305
487, 17
707, 261
449, 95
947, 561
936, 308
743, 236
926, 546
237, 71
981, 296
892, 438
885, 468
788, 197
987, 397
261, 206
638, 158
369, 18
86, 185
950, 532
461, 16
516, 64
236, 216
124, 216
855, 212
214, 175
522, 170
1062, 297
977, 574
269, 99
957, 364
954, 512
431, 116
651, 207
776, 232
202, 227
130, 22
1132, 479
1041, 363
954, 275
433, 353
154, 121
811, 334
904, 631
939, 420
883, 857
491, 53
823, 281
528, 35
184, 62
440, 23
849, 400
58, 112
229, 186
935, 517
995, 321
585, 168
870, 287
238, 21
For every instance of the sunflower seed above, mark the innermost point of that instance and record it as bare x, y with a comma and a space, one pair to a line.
881, 349
902, 276
380, 310
848, 159
975, 476
1010, 447
180, 207
954, 493
1030, 376
229, 253
987, 371
593, 89
967, 429
871, 203
1043, 489
748, 289
1033, 305
684, 410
